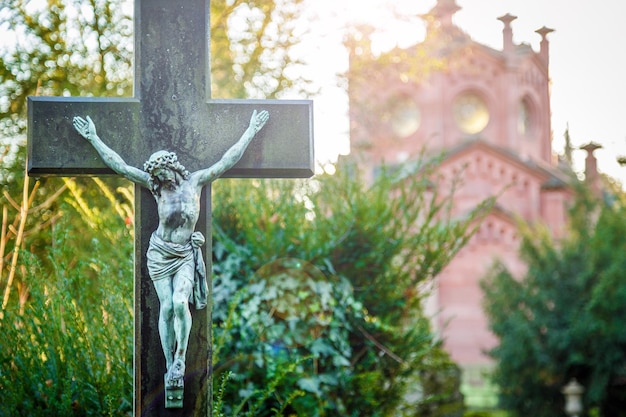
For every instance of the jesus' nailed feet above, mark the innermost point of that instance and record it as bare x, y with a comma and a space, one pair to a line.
174, 385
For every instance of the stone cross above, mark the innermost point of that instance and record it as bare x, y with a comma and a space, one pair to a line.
171, 110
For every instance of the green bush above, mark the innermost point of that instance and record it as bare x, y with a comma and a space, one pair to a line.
325, 273
565, 318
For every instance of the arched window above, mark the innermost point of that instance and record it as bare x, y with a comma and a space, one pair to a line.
525, 117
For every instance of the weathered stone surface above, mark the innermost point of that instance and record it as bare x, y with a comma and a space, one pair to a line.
283, 149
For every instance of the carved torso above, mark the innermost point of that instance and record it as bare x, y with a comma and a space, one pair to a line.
179, 208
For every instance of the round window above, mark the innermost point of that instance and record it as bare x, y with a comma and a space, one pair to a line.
405, 117
470, 113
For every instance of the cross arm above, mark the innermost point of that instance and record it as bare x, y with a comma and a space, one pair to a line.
56, 148
283, 148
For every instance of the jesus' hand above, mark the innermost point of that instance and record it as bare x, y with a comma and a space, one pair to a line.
258, 120
86, 128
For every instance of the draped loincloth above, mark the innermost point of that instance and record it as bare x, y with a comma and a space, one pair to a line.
165, 259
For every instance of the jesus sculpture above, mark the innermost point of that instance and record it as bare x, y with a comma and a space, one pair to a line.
174, 260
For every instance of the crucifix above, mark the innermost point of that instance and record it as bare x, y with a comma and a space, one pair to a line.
170, 120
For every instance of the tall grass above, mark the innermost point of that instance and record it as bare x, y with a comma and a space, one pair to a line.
66, 345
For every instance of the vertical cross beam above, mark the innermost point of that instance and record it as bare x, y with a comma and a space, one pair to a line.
171, 110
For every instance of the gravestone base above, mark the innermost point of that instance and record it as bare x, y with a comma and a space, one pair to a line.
173, 395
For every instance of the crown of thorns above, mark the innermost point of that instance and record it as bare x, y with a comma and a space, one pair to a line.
161, 159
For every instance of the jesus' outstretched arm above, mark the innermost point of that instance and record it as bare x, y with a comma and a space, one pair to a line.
87, 129
234, 154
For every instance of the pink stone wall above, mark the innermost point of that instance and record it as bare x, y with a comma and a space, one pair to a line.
510, 157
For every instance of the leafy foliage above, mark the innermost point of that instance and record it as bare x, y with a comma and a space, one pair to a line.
251, 48
329, 270
62, 47
565, 318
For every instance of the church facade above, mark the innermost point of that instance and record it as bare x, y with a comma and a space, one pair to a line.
487, 112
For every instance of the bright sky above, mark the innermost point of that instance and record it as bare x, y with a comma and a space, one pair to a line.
587, 62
